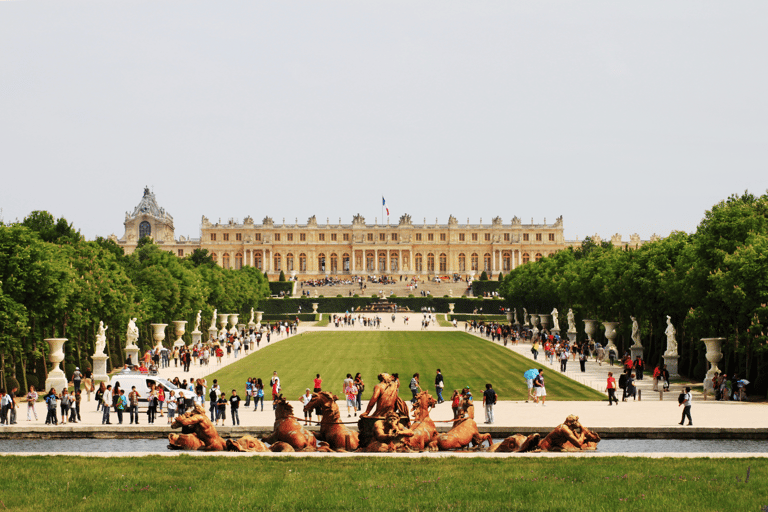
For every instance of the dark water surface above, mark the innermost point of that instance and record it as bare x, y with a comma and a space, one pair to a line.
618, 446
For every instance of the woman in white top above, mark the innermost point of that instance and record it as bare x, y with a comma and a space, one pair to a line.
31, 399
305, 399
171, 406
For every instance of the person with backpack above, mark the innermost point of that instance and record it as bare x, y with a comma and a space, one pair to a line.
685, 400
50, 400
638, 366
541, 391
623, 386
214, 398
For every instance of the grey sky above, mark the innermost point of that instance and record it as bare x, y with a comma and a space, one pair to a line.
622, 117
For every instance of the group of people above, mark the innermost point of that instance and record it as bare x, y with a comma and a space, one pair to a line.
726, 388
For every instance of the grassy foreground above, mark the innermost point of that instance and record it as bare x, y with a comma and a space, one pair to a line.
285, 483
465, 360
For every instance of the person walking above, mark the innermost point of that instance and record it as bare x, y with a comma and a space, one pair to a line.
50, 400
439, 385
171, 406
351, 393
414, 387
151, 407
65, 404
133, 406
610, 387
234, 407
31, 399
360, 388
106, 404
563, 359
686, 403
665, 378
489, 400
274, 382
305, 399
456, 403
541, 391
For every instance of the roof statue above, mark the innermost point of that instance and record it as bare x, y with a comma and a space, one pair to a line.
405, 219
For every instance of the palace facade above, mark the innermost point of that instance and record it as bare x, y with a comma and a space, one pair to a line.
312, 250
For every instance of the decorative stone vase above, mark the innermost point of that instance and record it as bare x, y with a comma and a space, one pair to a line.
451, 305
714, 355
534, 324
510, 319
57, 379
158, 334
545, 321
610, 333
259, 314
223, 318
233, 319
179, 328
590, 326
314, 307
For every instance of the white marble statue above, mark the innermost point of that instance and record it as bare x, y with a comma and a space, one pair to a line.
555, 320
250, 321
525, 316
671, 341
213, 320
197, 320
132, 336
101, 339
571, 321
517, 322
636, 332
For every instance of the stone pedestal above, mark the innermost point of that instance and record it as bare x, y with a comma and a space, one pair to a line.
610, 333
572, 336
636, 351
56, 377
99, 368
179, 328
212, 333
714, 355
132, 353
240, 328
509, 316
671, 362
197, 336
158, 334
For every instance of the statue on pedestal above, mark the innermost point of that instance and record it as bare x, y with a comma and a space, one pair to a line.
571, 321
213, 320
636, 332
671, 341
555, 320
101, 339
250, 321
525, 316
197, 320
517, 322
132, 336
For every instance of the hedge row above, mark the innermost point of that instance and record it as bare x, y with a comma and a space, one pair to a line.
479, 318
342, 304
480, 287
303, 317
280, 286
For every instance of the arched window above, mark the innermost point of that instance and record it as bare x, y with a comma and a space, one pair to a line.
487, 262
278, 263
321, 262
462, 262
538, 256
443, 262
145, 229
405, 262
257, 260
215, 257
526, 257
302, 262
334, 263
289, 262
225, 260
382, 262
238, 261
506, 259
430, 262
475, 262
417, 262
393, 263
345, 262
370, 263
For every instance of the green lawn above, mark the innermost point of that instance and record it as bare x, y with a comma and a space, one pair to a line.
465, 360
564, 483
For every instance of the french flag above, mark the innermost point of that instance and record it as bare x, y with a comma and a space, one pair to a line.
384, 204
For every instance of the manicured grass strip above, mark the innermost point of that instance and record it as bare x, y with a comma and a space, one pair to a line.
465, 360
323, 322
266, 483
442, 322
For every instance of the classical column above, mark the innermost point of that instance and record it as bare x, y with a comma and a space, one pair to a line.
388, 262
400, 261
352, 262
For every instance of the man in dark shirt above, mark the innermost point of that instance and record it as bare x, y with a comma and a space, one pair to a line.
489, 399
439, 385
234, 406
221, 409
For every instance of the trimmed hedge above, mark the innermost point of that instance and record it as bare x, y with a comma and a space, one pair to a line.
281, 286
480, 287
479, 318
342, 304
303, 317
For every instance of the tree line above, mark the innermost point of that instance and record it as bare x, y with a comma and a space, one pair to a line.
53, 283
713, 283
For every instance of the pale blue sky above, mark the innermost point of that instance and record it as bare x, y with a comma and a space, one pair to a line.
622, 117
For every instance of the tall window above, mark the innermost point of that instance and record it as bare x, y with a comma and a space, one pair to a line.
145, 229
538, 237
321, 262
394, 237
278, 261
277, 237
506, 262
461, 237
289, 262
474, 237
393, 263
551, 237
475, 264
290, 237
181, 253
345, 262
225, 260
333, 237
382, 262
418, 237
526, 257
442, 237
239, 237
321, 237
431, 237
462, 263
430, 262
257, 260
525, 237
370, 261
258, 237
487, 262
370, 237
226, 237
334, 262
303, 262
443, 262
238, 261
213, 237
302, 237
487, 237
506, 237
417, 262
346, 237
382, 237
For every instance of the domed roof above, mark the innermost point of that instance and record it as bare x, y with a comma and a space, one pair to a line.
148, 206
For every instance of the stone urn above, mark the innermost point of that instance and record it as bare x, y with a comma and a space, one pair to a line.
179, 328
534, 324
158, 334
714, 355
545, 321
510, 319
259, 315
56, 377
590, 326
451, 305
314, 307
223, 319
610, 333
233, 319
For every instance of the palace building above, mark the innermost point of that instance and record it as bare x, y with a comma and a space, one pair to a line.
312, 250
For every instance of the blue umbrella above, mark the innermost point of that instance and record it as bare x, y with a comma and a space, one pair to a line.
530, 374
